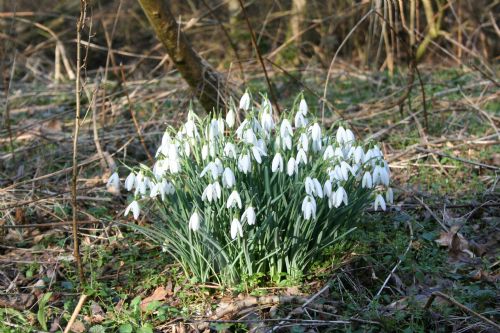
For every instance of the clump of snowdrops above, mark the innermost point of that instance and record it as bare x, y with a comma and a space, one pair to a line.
265, 194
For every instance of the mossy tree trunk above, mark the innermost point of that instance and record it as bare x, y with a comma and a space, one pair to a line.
206, 83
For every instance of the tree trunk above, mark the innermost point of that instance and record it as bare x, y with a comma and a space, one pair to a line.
205, 82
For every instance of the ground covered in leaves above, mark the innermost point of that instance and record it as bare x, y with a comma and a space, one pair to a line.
440, 238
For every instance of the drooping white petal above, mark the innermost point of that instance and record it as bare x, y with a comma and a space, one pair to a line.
129, 181
234, 200
230, 150
389, 196
291, 166
367, 180
379, 200
277, 164
228, 179
236, 228
256, 154
245, 101
301, 157
230, 118
303, 107
244, 163
249, 215
194, 221
318, 190
113, 183
134, 207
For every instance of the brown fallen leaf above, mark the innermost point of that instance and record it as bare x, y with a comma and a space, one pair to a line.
159, 294
98, 314
455, 242
78, 327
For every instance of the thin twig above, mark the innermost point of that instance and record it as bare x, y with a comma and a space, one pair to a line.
259, 56
76, 245
78, 308
398, 263
461, 306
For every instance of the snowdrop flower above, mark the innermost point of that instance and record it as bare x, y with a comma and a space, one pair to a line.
256, 154
234, 200
236, 228
213, 168
329, 153
285, 129
379, 200
249, 136
113, 183
212, 192
129, 181
204, 152
208, 193
303, 107
194, 221
341, 135
228, 179
155, 190
241, 128
249, 215
327, 188
389, 196
277, 164
313, 187
141, 184
134, 207
230, 150
230, 118
345, 168
267, 122
291, 167
316, 132
318, 190
340, 196
244, 163
287, 143
304, 142
300, 120
301, 157
309, 207
359, 154
380, 176
349, 136
245, 101
367, 180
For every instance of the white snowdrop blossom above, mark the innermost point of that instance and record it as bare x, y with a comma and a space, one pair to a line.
234, 200
244, 163
245, 101
277, 164
216, 175
129, 181
113, 183
249, 216
228, 179
194, 221
134, 208
379, 201
309, 208
389, 196
367, 180
230, 150
301, 157
230, 118
291, 167
236, 228
303, 107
